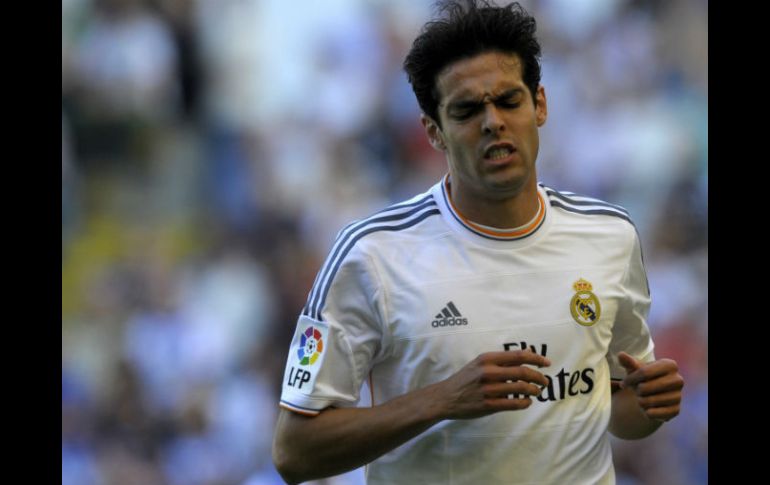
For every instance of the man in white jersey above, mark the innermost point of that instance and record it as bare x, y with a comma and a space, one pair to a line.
498, 324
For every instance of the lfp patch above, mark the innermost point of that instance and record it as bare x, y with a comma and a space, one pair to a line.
308, 349
311, 345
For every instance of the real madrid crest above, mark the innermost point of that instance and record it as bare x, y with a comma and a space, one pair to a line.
585, 307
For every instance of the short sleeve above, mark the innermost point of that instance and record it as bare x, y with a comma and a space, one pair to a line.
630, 332
338, 335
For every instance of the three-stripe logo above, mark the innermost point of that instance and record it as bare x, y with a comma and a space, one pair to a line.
449, 316
398, 217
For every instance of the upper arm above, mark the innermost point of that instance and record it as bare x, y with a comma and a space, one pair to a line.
630, 330
337, 338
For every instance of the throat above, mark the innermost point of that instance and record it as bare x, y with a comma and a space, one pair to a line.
516, 228
509, 214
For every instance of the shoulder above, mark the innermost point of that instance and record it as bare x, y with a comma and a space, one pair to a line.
348, 263
588, 218
584, 208
402, 219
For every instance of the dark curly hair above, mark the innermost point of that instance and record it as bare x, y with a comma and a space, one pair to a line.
465, 29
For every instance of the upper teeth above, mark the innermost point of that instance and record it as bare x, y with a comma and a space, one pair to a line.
499, 152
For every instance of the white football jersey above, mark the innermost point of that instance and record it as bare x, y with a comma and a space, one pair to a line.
413, 293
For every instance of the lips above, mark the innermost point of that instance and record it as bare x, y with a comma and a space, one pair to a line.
499, 151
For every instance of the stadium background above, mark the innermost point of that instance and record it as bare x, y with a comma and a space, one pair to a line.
211, 149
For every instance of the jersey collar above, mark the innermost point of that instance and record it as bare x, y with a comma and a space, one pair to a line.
442, 192
488, 232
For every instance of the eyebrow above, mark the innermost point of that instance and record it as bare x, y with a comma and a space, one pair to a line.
466, 103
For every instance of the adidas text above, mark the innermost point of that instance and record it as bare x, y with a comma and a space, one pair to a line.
444, 322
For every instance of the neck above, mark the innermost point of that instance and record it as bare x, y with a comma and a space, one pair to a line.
499, 212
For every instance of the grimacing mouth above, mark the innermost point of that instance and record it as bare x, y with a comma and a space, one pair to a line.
499, 150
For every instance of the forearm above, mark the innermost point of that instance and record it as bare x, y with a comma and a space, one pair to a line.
339, 440
627, 420
342, 439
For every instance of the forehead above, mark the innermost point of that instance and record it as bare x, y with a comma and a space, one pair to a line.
488, 72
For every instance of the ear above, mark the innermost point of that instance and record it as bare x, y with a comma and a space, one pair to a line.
541, 110
434, 132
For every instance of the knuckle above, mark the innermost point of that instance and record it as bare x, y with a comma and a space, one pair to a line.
534, 376
518, 355
529, 389
519, 387
524, 403
522, 373
490, 371
650, 415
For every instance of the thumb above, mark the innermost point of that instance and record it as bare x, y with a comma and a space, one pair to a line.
629, 363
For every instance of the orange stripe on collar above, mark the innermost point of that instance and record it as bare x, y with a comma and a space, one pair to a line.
508, 234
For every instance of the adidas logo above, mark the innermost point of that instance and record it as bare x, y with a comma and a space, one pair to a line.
448, 316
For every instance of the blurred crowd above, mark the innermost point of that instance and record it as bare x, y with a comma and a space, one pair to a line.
211, 150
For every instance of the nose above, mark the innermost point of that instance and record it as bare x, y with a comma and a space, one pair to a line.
492, 122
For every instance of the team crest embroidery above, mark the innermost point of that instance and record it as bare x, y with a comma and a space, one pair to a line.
585, 307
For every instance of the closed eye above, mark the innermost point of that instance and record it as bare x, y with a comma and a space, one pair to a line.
464, 111
509, 105
464, 115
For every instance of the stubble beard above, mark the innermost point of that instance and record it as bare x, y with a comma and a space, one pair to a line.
495, 186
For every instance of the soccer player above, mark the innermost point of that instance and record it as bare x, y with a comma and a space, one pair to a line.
499, 324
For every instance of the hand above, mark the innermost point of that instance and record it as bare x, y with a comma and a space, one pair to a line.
657, 385
483, 385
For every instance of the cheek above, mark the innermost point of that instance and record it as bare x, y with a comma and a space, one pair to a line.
462, 161
460, 148
531, 137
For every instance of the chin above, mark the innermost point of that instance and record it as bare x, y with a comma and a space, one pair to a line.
505, 182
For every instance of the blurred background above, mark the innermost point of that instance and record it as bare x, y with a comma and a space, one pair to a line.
211, 149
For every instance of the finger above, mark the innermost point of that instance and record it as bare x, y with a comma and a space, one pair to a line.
519, 373
503, 389
651, 371
671, 382
505, 404
663, 413
514, 357
629, 363
666, 399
